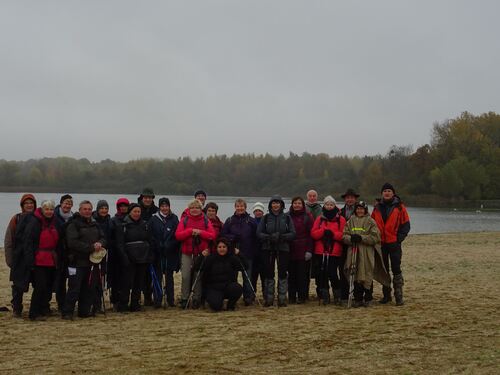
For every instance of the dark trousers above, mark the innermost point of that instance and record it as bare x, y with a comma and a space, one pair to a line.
43, 280
327, 272
81, 288
258, 270
392, 253
98, 275
60, 286
133, 277
298, 276
147, 288
113, 275
215, 297
17, 299
270, 259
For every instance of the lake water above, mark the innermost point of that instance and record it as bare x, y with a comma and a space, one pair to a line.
423, 220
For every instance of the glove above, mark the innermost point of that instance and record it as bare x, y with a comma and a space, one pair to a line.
308, 256
356, 238
328, 233
275, 237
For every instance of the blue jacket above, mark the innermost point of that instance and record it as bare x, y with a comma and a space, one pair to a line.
167, 247
241, 230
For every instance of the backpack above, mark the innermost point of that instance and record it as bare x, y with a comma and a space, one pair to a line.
205, 220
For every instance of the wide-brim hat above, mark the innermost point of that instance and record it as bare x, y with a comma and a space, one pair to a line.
350, 192
97, 256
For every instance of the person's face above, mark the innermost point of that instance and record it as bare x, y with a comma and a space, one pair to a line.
103, 211
211, 213
135, 214
85, 210
165, 209
258, 214
275, 206
312, 197
240, 208
360, 211
147, 201
297, 205
329, 205
67, 205
350, 200
28, 205
195, 211
221, 248
47, 212
123, 209
387, 194
201, 198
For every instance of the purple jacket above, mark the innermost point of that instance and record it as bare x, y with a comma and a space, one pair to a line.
241, 231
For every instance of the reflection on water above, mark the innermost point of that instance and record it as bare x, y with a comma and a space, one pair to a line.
423, 220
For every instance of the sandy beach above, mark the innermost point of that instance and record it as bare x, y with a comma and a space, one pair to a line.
450, 324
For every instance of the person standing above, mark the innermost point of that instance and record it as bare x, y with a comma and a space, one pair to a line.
258, 268
135, 244
114, 260
211, 210
361, 232
63, 213
240, 229
301, 249
41, 245
327, 233
393, 222
167, 251
276, 231
14, 256
350, 197
83, 237
194, 231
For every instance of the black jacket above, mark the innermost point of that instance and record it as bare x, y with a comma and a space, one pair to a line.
134, 242
218, 271
167, 247
23, 258
81, 234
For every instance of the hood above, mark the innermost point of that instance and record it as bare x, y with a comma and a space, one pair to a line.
96, 217
276, 198
27, 196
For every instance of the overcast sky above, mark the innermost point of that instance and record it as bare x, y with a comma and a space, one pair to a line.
129, 79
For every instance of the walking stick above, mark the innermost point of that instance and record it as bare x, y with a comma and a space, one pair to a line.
157, 289
352, 273
191, 293
101, 278
249, 281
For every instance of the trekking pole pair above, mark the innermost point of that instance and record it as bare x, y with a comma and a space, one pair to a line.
191, 293
249, 281
352, 273
157, 288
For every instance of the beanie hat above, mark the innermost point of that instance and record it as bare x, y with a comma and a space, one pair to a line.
387, 186
102, 203
132, 206
329, 198
258, 206
200, 192
147, 192
122, 201
163, 201
64, 197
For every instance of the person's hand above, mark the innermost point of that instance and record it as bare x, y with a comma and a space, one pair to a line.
196, 232
356, 238
275, 237
308, 256
205, 252
328, 233
97, 246
236, 251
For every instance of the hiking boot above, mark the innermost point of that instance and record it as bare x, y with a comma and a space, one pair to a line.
398, 282
292, 300
248, 301
269, 296
183, 303
357, 304
367, 303
282, 291
17, 314
38, 318
336, 297
67, 317
135, 308
281, 303
387, 295
195, 304
148, 301
325, 296
300, 301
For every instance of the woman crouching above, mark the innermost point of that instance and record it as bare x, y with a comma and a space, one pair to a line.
220, 274
361, 234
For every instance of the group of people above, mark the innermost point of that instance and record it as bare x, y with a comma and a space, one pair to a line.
81, 255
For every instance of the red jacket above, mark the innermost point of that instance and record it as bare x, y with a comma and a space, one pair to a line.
185, 230
217, 225
49, 238
336, 226
397, 224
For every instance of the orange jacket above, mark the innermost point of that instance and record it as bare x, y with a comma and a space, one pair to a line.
396, 225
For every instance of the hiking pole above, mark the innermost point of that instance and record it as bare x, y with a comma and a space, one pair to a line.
249, 282
352, 274
194, 283
157, 289
101, 278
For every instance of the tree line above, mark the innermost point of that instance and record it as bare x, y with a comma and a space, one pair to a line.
461, 162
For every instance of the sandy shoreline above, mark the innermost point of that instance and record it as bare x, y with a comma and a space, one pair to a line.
450, 324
